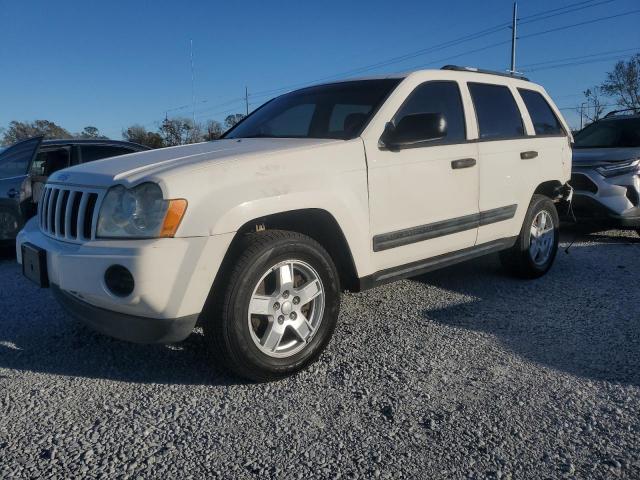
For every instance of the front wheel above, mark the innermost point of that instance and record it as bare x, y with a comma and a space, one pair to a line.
277, 309
537, 244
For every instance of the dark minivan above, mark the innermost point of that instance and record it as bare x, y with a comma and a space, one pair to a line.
26, 165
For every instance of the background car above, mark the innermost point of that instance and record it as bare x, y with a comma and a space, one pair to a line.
26, 165
606, 172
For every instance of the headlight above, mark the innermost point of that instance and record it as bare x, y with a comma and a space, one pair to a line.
622, 168
139, 212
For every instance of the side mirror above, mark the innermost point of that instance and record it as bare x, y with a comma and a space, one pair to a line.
413, 130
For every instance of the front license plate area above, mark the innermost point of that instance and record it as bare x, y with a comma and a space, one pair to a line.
34, 264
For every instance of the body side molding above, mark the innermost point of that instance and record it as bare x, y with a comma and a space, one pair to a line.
385, 241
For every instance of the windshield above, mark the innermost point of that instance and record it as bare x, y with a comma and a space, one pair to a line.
14, 161
623, 132
338, 110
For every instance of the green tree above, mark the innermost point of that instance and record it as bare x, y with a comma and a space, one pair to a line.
139, 134
89, 132
18, 131
623, 83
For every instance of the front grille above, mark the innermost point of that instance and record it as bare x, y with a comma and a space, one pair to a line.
584, 183
69, 213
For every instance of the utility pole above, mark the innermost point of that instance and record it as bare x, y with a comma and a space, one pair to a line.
582, 115
246, 99
514, 36
193, 88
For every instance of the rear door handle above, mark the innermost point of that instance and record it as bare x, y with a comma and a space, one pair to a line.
463, 163
528, 155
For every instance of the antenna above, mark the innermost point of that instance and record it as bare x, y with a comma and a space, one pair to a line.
193, 88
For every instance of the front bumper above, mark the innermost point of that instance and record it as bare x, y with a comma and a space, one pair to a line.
173, 277
609, 201
126, 327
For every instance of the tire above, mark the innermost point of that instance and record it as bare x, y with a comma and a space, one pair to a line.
243, 342
532, 257
10, 224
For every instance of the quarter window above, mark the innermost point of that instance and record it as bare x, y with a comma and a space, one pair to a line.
544, 120
497, 111
438, 97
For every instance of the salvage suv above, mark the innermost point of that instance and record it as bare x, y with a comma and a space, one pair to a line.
341, 186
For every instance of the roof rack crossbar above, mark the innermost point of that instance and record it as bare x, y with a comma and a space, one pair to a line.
616, 112
459, 68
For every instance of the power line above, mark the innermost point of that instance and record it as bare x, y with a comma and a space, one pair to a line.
581, 57
432, 49
585, 62
587, 22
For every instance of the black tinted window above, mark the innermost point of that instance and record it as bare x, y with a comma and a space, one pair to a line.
496, 110
97, 152
50, 161
610, 133
14, 161
438, 97
544, 120
338, 110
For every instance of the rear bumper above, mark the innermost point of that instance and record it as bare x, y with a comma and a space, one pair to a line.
131, 328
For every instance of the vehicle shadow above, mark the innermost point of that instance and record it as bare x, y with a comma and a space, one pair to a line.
36, 335
581, 318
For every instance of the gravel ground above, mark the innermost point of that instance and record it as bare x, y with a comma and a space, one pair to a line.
462, 373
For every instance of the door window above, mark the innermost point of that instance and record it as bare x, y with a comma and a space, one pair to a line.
438, 97
496, 110
49, 161
544, 120
14, 161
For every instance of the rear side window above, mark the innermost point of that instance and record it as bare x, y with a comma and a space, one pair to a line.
438, 97
544, 120
97, 152
497, 111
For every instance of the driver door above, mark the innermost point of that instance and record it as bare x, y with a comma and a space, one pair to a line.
424, 198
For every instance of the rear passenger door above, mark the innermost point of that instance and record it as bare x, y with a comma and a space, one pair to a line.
505, 153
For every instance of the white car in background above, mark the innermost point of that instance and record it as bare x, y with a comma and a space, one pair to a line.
346, 185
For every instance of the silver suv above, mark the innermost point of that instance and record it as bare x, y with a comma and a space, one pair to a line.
606, 172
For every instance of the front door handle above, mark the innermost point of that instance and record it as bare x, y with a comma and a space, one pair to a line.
13, 193
528, 155
463, 163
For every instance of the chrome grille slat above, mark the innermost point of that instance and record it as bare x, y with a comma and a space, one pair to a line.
70, 213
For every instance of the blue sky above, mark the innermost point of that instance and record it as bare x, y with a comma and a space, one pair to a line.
114, 63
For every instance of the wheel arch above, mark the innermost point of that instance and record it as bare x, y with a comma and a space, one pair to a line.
550, 188
318, 224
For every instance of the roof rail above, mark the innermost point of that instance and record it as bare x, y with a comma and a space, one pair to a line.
459, 68
616, 112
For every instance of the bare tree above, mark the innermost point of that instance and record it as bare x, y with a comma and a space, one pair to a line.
594, 106
214, 130
231, 120
623, 83
180, 131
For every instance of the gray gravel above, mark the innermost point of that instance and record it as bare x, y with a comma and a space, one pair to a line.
462, 373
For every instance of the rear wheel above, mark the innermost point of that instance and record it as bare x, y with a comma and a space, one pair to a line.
537, 245
278, 307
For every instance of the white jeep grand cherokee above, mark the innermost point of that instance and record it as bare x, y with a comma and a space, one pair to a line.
340, 186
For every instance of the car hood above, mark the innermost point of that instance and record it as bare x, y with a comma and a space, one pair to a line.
586, 157
154, 164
